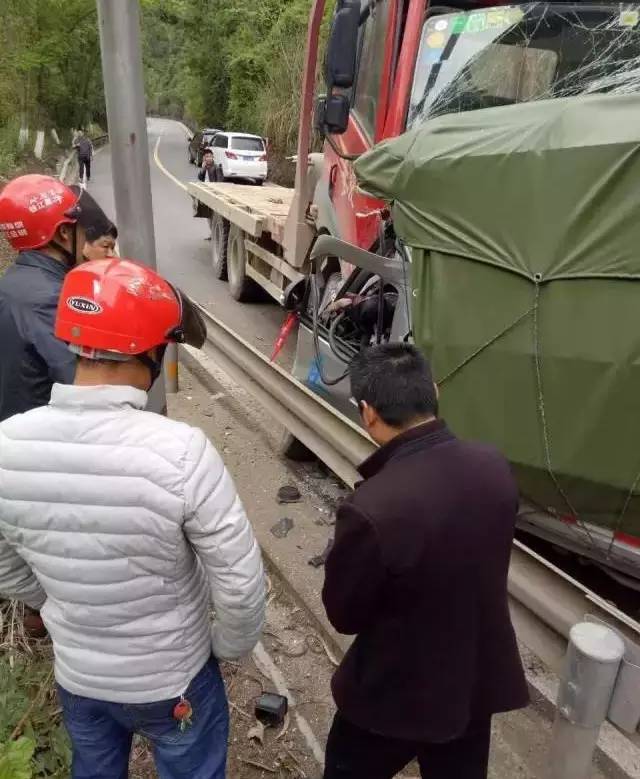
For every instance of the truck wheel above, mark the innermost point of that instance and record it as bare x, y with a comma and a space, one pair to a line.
190, 157
242, 288
219, 244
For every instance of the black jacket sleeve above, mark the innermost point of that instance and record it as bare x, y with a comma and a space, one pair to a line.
61, 363
354, 573
201, 174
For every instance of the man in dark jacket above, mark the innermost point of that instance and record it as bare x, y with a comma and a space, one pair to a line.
42, 219
84, 150
418, 573
208, 171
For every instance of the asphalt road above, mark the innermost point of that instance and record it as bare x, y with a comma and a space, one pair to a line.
184, 256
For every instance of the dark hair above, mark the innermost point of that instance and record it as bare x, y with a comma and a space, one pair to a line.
395, 380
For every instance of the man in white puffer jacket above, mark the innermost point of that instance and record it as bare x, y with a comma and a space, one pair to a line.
125, 529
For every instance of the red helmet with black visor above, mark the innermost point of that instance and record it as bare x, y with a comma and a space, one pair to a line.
117, 309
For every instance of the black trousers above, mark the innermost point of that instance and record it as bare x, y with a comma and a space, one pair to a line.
85, 165
353, 753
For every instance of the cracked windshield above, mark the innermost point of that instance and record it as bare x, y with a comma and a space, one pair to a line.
516, 54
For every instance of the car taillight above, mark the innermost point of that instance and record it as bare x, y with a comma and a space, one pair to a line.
231, 156
263, 158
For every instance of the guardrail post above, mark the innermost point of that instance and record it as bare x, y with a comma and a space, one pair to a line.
171, 368
591, 667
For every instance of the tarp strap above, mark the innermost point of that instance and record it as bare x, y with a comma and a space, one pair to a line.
534, 310
486, 345
620, 520
543, 415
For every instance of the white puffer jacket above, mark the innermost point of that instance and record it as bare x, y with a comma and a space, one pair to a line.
128, 528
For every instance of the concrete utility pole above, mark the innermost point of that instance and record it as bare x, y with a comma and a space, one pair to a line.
119, 22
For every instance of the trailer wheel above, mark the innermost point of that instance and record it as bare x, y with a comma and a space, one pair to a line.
219, 246
242, 288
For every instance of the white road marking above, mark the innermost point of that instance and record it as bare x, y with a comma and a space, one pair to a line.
264, 662
156, 158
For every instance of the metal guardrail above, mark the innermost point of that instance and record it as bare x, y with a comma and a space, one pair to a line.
555, 598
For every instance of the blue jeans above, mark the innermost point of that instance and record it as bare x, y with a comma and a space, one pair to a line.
101, 732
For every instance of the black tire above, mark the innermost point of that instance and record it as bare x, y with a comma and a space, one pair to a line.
291, 448
242, 288
259, 182
190, 156
219, 245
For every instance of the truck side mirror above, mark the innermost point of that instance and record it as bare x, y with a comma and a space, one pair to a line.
331, 116
342, 50
336, 119
319, 115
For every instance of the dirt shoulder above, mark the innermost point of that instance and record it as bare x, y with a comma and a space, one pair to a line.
248, 441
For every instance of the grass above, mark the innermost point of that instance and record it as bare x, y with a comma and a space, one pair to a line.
33, 741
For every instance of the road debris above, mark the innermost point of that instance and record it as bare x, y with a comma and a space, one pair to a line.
289, 494
256, 733
317, 645
319, 560
271, 709
256, 764
283, 527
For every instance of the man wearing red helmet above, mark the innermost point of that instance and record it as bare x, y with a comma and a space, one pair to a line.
128, 528
44, 221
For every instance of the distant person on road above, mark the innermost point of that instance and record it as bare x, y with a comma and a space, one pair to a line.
84, 149
418, 573
208, 171
126, 528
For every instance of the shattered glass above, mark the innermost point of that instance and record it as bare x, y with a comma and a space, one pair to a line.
514, 54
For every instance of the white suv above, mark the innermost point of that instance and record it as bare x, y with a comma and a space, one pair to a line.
240, 156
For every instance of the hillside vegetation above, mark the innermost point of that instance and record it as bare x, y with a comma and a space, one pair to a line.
223, 63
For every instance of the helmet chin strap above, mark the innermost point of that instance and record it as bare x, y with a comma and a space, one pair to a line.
154, 366
70, 256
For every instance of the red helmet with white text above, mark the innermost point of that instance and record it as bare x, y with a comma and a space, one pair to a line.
32, 208
118, 308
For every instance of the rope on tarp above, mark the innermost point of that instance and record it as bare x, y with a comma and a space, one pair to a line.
486, 345
546, 438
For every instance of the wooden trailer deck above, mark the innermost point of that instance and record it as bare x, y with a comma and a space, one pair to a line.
254, 209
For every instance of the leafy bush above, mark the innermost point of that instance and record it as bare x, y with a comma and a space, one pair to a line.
28, 705
15, 759
8, 146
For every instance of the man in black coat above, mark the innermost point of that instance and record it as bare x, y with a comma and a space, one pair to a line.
208, 170
418, 573
45, 221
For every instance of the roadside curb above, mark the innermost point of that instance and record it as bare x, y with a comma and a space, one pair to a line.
68, 163
615, 753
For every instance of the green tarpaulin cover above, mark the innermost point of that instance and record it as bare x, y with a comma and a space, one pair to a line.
524, 224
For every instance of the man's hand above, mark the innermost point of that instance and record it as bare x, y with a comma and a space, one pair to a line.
33, 624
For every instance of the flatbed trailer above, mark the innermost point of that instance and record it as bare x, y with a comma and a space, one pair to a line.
247, 235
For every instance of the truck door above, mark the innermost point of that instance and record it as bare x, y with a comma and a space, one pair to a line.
357, 216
